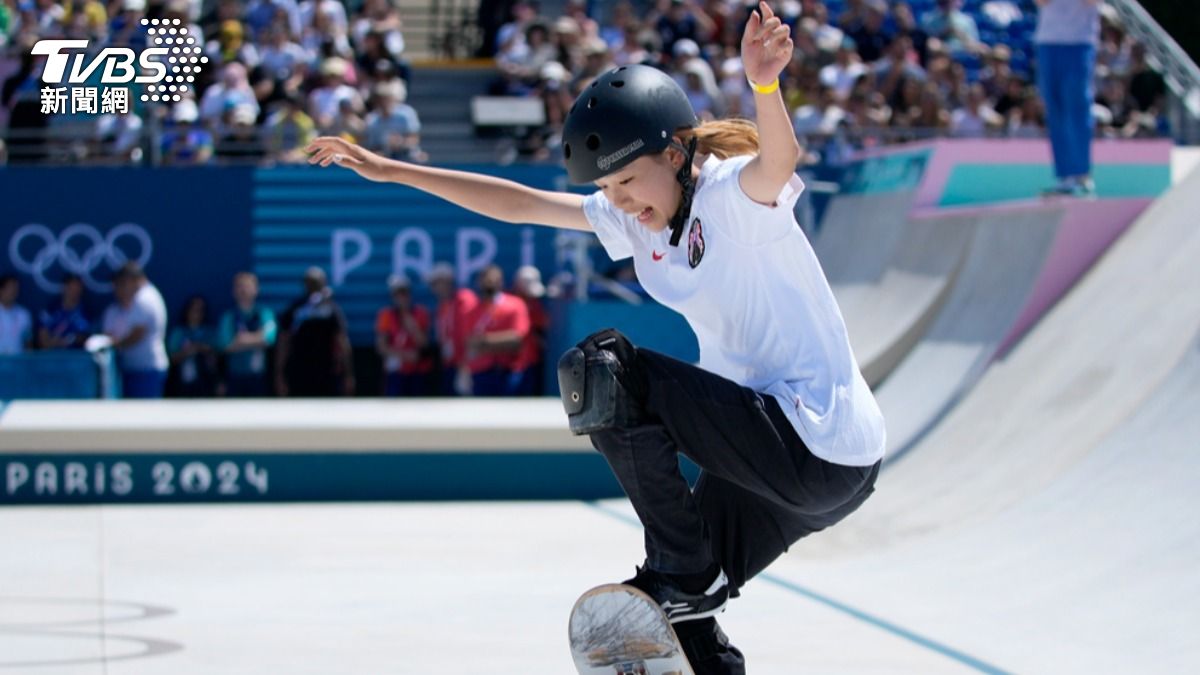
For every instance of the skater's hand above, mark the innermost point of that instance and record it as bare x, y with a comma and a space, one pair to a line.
766, 46
328, 150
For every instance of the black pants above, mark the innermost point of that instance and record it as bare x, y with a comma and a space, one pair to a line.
760, 489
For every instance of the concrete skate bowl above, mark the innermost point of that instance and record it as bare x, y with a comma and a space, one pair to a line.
889, 275
1016, 260
886, 273
1047, 523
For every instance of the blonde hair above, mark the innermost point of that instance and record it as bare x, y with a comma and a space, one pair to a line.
724, 138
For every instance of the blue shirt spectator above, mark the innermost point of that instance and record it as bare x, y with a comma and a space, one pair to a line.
394, 128
244, 335
193, 354
16, 326
64, 324
952, 26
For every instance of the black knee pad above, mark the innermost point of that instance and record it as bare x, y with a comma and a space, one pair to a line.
599, 383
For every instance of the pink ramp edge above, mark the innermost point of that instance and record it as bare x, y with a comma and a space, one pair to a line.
1087, 230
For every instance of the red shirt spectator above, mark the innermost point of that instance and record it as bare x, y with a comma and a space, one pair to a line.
452, 325
404, 335
502, 318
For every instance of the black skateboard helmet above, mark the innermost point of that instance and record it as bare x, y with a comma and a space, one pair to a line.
625, 113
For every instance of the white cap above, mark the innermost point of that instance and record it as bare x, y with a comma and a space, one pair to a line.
186, 111
529, 278
686, 47
397, 282
442, 270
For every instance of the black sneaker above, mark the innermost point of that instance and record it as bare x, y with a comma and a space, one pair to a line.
678, 604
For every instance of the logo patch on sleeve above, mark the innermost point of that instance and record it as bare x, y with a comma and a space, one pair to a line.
695, 244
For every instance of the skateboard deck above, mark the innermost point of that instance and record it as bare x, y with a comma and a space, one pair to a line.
619, 630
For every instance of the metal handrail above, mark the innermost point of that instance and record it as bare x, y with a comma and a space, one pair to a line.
1163, 53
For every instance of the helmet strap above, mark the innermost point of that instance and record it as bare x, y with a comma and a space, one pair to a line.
689, 190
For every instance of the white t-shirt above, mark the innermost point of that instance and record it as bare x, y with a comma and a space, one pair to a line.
16, 329
149, 310
747, 281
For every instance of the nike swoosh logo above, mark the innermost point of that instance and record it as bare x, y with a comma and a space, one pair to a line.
656, 255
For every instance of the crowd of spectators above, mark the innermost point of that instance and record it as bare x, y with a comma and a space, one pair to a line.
278, 73
876, 71
485, 341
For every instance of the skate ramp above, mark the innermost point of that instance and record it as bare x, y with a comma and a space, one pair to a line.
890, 275
1047, 524
1008, 249
1022, 258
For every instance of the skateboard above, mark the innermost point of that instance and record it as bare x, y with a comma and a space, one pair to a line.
619, 630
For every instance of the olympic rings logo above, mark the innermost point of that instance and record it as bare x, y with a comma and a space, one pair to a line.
114, 249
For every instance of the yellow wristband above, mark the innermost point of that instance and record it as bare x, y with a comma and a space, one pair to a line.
764, 89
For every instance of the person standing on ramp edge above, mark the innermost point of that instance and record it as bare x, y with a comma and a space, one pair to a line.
787, 434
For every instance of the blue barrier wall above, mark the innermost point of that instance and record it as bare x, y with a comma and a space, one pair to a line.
194, 228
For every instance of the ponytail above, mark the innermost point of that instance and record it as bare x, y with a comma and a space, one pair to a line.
724, 138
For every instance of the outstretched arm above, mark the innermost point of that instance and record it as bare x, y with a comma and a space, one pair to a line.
766, 51
493, 197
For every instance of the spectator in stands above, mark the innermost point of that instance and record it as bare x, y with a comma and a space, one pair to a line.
280, 56
288, 130
845, 70
333, 11
376, 60
394, 129
683, 20
529, 371
819, 119
326, 36
619, 19
313, 355
734, 87
120, 136
1148, 90
897, 67
186, 142
976, 117
137, 324
450, 330
244, 335
191, 345
1066, 36
872, 35
230, 46
510, 34
260, 14
696, 78
401, 338
520, 62
495, 331
596, 60
377, 33
125, 29
325, 101
906, 24
577, 11
240, 140
231, 91
16, 324
64, 324
933, 114
1030, 120
955, 28
347, 123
